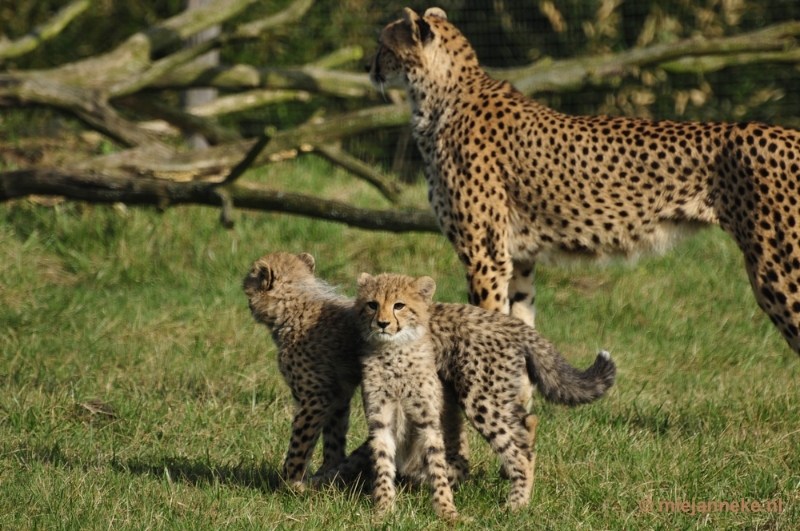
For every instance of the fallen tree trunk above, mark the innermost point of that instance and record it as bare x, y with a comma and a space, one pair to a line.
163, 194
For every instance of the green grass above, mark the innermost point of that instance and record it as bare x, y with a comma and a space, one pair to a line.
143, 312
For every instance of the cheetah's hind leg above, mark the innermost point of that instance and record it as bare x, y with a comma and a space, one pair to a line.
456, 443
532, 422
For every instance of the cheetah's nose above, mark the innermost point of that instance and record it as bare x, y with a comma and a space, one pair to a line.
383, 324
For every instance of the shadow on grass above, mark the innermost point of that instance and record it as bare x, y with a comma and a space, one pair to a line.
653, 420
201, 472
197, 471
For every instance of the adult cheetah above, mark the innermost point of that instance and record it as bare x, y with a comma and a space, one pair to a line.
513, 182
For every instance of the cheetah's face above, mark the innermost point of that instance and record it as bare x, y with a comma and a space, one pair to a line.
385, 70
271, 280
393, 308
417, 47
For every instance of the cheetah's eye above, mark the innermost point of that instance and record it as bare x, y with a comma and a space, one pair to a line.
372, 305
399, 306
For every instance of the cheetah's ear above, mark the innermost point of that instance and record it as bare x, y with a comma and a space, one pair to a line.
308, 260
263, 276
435, 12
420, 30
410, 16
425, 286
364, 279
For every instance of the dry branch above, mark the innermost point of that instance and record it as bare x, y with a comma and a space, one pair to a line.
293, 13
84, 87
162, 194
43, 32
334, 153
144, 78
133, 56
572, 74
209, 128
246, 100
339, 57
237, 77
85, 103
712, 63
216, 161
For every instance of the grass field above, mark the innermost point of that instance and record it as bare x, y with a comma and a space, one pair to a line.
136, 392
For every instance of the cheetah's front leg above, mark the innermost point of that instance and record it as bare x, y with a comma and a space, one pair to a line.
489, 272
380, 419
522, 293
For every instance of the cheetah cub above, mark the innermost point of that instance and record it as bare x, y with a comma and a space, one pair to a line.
403, 395
316, 333
490, 359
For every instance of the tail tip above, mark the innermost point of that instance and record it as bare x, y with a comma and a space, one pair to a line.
604, 354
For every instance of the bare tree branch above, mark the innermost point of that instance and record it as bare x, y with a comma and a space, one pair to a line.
571, 74
247, 100
85, 103
308, 78
293, 13
215, 162
339, 57
43, 32
187, 23
145, 191
712, 63
133, 56
334, 152
157, 69
209, 128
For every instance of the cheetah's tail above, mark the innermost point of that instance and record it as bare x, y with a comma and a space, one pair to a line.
562, 383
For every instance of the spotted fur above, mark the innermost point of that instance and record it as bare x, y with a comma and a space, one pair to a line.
490, 359
514, 183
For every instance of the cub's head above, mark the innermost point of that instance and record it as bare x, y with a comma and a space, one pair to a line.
417, 48
272, 278
393, 308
